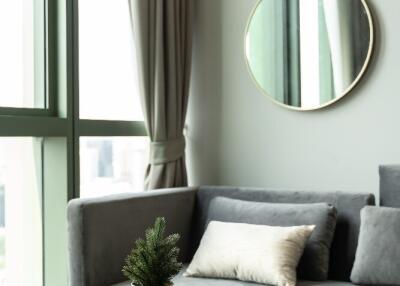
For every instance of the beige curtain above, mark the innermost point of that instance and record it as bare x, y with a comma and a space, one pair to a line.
163, 35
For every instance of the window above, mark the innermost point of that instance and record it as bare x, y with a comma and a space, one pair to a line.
68, 127
109, 99
22, 54
20, 212
108, 81
111, 165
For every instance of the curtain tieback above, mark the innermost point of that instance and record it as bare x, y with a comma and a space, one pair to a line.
162, 152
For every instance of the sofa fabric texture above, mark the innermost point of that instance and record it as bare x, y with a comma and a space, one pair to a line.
180, 280
348, 207
389, 185
377, 260
314, 264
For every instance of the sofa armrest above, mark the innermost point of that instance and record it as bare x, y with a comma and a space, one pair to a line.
102, 231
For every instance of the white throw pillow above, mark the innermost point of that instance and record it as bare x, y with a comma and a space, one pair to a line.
249, 252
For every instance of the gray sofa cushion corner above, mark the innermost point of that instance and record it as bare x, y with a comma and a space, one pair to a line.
389, 185
314, 264
378, 254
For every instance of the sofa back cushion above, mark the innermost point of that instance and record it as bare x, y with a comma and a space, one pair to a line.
348, 207
314, 263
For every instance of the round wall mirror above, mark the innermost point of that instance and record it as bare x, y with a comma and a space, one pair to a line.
307, 54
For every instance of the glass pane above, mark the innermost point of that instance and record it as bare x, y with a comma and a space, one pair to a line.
20, 212
110, 165
22, 54
108, 84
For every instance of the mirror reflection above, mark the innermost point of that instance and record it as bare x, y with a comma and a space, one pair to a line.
306, 54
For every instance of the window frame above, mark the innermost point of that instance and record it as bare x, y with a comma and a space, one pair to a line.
60, 127
62, 119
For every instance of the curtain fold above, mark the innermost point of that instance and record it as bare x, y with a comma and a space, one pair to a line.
163, 36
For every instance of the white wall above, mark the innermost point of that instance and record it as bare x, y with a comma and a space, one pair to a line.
236, 136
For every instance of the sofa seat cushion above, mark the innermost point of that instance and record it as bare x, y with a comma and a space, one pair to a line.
180, 280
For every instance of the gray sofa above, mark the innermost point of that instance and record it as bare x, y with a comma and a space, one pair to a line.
102, 230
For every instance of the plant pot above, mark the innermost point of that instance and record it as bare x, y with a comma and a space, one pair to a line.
169, 284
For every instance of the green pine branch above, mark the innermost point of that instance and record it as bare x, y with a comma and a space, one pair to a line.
154, 260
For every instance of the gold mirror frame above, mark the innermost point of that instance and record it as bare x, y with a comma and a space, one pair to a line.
347, 91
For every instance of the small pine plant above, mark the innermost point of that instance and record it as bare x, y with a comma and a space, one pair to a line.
154, 260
